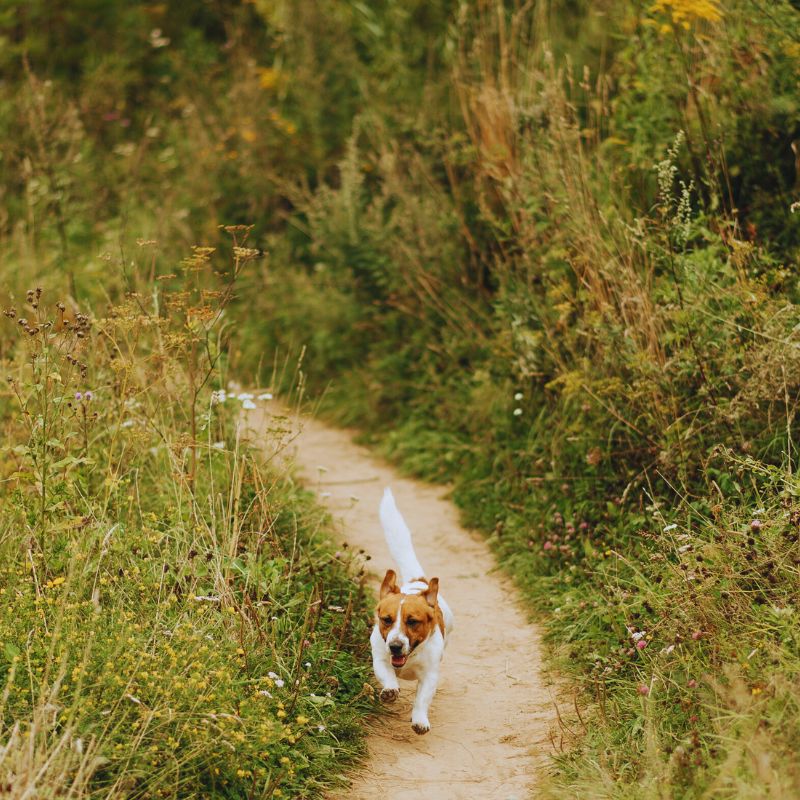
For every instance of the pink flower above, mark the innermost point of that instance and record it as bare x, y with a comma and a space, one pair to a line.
643, 689
548, 546
697, 635
692, 683
641, 644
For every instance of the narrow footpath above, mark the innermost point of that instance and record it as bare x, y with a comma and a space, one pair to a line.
493, 713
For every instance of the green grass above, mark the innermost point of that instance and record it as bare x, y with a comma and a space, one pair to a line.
174, 622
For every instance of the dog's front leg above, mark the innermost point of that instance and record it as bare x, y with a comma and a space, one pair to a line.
426, 689
382, 667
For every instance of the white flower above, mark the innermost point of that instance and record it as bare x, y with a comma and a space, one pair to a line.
272, 675
670, 527
279, 682
320, 728
518, 396
636, 635
248, 404
127, 424
218, 397
264, 693
218, 445
265, 396
246, 396
517, 412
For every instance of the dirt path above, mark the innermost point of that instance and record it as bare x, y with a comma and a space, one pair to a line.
493, 711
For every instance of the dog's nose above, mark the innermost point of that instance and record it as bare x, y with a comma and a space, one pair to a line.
396, 648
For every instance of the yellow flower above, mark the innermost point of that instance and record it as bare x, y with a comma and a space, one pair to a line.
684, 12
301, 720
268, 77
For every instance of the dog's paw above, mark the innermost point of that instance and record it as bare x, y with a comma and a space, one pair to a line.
420, 727
389, 695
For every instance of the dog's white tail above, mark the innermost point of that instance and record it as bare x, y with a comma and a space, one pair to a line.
398, 537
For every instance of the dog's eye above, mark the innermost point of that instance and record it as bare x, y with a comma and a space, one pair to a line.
412, 623
386, 620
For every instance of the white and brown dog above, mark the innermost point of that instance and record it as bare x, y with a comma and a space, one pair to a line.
412, 622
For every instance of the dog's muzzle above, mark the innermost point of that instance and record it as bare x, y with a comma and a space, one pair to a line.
398, 659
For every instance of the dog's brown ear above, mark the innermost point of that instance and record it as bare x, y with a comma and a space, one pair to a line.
389, 585
433, 592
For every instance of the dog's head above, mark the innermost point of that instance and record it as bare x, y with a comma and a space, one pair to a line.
406, 620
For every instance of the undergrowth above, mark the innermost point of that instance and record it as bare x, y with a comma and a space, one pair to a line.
174, 622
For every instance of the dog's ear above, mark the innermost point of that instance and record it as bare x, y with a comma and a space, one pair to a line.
432, 592
389, 585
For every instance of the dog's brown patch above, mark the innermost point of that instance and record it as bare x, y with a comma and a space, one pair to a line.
421, 612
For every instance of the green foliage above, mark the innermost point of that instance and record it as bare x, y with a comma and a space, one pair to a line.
174, 621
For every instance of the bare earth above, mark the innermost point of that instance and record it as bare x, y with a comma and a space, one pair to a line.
492, 714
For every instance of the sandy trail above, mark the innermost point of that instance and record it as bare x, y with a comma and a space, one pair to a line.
491, 717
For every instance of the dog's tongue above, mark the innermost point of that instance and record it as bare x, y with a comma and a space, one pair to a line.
398, 661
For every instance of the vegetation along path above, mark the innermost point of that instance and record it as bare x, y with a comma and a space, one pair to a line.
493, 711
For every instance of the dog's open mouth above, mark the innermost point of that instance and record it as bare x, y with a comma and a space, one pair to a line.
399, 661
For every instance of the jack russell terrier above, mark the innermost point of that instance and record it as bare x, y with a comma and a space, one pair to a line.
412, 622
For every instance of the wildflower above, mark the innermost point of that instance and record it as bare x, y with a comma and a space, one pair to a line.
692, 683
265, 396
518, 396
245, 396
641, 644
218, 445
248, 404
320, 728
157, 40
755, 525
279, 683
643, 689
301, 720
548, 546
78, 396
517, 412
669, 528
272, 675
697, 635
87, 396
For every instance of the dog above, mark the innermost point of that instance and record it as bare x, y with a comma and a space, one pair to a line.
412, 622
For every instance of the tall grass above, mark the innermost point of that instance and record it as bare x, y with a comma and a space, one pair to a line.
174, 623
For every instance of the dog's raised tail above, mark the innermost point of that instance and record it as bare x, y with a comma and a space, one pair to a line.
398, 537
